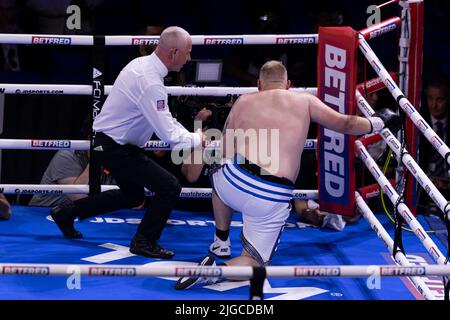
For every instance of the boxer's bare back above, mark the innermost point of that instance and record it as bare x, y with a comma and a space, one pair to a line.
280, 118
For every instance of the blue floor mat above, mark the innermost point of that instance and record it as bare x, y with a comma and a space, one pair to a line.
31, 237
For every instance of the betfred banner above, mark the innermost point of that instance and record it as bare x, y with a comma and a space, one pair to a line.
336, 87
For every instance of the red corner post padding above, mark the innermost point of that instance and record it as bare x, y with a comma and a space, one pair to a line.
414, 92
336, 74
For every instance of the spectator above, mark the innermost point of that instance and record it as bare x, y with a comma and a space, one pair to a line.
435, 113
51, 16
302, 59
5, 208
309, 212
68, 167
189, 174
9, 13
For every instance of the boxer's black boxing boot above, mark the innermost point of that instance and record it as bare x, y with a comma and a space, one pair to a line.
141, 246
64, 219
184, 283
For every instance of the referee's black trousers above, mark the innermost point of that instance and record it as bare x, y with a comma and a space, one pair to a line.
133, 171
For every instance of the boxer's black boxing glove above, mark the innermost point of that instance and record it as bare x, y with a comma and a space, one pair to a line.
385, 118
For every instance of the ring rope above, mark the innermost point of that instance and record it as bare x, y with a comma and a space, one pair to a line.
431, 247
246, 39
343, 271
88, 40
399, 257
406, 158
84, 189
402, 101
77, 89
40, 144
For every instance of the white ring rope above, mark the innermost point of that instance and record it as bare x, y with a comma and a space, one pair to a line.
361, 271
87, 40
399, 257
403, 209
76, 89
403, 102
42, 144
407, 160
49, 189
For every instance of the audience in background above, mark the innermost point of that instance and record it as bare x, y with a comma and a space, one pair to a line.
9, 14
435, 113
5, 208
68, 167
242, 65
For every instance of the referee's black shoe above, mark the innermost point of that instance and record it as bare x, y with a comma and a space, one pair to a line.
64, 219
150, 249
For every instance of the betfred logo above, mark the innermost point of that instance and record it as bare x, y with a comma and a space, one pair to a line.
409, 109
335, 96
407, 216
144, 41
112, 272
316, 272
156, 144
434, 252
410, 165
376, 66
436, 142
420, 235
422, 125
51, 40
383, 30
196, 272
219, 41
363, 156
56, 144
402, 271
373, 83
375, 172
31, 270
388, 191
389, 85
295, 40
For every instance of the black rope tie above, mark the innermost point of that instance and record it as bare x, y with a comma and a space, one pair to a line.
445, 280
398, 238
257, 283
98, 97
447, 224
446, 289
401, 187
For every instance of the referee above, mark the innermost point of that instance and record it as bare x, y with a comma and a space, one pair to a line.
134, 110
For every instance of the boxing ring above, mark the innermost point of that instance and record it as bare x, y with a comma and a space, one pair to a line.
418, 272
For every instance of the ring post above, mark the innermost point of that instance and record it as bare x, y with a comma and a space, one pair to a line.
336, 87
413, 82
98, 97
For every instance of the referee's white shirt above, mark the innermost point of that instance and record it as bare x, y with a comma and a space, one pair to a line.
137, 107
